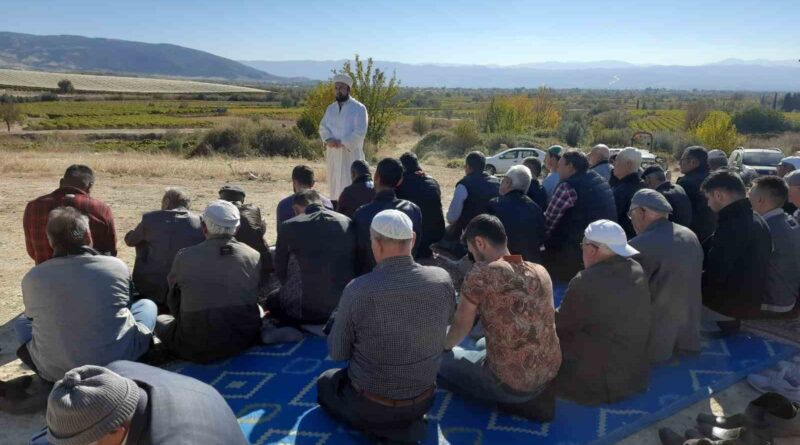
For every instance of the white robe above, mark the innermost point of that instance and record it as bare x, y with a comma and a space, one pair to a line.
349, 125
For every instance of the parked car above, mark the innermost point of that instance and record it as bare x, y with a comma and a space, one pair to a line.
501, 162
751, 163
648, 158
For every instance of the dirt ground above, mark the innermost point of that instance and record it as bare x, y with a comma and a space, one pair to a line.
134, 183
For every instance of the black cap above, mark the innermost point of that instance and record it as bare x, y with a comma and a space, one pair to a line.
652, 169
231, 188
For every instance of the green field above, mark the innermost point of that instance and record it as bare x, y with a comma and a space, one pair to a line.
657, 120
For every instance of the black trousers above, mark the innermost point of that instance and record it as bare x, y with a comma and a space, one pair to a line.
563, 262
402, 424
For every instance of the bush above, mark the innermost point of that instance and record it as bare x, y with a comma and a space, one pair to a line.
674, 142
65, 86
252, 138
316, 102
495, 142
269, 141
227, 141
759, 120
718, 132
465, 136
307, 126
612, 137
614, 119
572, 133
421, 125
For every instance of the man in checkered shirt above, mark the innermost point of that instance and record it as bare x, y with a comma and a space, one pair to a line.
391, 326
74, 192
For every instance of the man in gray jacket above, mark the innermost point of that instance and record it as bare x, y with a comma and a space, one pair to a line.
158, 238
213, 293
672, 259
768, 196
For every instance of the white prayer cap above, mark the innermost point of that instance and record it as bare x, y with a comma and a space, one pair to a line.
222, 213
393, 224
343, 78
611, 235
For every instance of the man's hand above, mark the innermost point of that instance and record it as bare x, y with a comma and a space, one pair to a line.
333, 143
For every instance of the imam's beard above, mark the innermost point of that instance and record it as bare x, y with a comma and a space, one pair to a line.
342, 97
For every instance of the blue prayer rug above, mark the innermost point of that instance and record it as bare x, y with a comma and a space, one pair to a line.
272, 390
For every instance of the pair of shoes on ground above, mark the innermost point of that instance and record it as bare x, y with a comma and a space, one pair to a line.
767, 418
784, 380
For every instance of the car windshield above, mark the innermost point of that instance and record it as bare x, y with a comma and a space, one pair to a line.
762, 158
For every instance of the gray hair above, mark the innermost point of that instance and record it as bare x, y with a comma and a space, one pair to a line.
175, 197
67, 228
216, 230
631, 156
602, 150
520, 177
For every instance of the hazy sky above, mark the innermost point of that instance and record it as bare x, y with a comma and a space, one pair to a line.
452, 31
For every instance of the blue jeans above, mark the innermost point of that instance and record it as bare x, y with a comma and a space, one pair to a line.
144, 312
466, 372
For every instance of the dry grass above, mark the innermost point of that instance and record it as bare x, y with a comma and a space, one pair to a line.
114, 84
789, 142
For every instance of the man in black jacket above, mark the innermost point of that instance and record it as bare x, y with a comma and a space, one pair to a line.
694, 166
655, 178
522, 218
626, 170
361, 191
388, 175
473, 192
424, 191
315, 258
252, 227
536, 192
737, 255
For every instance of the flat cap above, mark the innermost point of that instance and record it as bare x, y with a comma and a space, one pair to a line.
231, 188
793, 178
651, 199
222, 213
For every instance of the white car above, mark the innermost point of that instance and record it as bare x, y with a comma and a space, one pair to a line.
648, 158
501, 162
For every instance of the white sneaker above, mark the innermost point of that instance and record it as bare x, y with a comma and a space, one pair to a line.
775, 381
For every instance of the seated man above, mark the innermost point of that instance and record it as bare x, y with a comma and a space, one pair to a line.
694, 166
361, 191
424, 191
582, 197
315, 258
717, 159
655, 178
536, 192
392, 345
522, 219
786, 166
302, 179
252, 227
737, 255
793, 182
388, 175
603, 323
132, 403
73, 191
158, 238
213, 293
598, 161
629, 181
672, 259
78, 305
520, 354
767, 197
551, 161
473, 192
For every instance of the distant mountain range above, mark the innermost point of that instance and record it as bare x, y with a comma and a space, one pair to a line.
730, 74
97, 55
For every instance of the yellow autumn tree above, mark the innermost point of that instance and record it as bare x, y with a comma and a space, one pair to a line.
717, 131
545, 113
315, 103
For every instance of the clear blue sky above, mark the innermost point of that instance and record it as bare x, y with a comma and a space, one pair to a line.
448, 31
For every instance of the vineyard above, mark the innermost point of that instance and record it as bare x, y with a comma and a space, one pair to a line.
113, 84
657, 120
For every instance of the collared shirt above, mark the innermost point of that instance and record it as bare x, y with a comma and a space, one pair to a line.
34, 222
391, 325
563, 199
515, 301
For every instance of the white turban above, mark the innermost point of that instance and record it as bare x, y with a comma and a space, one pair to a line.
343, 78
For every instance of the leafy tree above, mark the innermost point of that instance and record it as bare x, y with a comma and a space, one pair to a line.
65, 86
316, 101
10, 113
377, 92
421, 125
757, 120
545, 110
717, 131
787, 102
500, 116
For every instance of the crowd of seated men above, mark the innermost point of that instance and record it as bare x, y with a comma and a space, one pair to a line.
684, 260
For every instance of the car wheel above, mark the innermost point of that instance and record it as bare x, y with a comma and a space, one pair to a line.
491, 170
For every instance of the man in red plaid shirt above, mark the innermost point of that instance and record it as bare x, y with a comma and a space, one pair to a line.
73, 192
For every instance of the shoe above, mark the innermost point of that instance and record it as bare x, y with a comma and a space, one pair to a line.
669, 437
743, 435
777, 414
729, 422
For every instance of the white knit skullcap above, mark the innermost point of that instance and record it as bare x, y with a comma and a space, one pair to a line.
393, 224
343, 78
